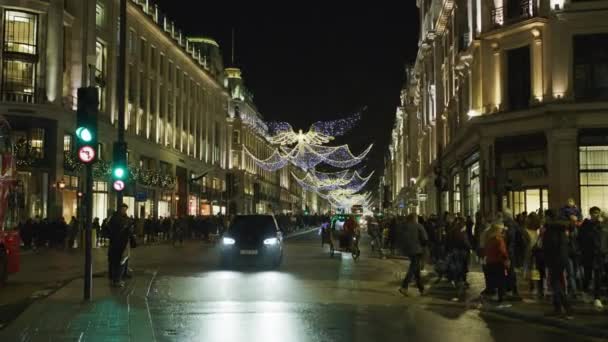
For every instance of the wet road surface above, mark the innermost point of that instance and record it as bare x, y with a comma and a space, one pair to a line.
313, 298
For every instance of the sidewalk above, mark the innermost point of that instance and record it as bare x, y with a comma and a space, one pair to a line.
48, 270
113, 314
587, 320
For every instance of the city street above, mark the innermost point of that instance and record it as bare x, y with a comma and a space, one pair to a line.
314, 298
310, 298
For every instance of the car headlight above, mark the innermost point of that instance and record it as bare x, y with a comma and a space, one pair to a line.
228, 241
271, 241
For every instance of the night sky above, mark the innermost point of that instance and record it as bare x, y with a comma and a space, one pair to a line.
306, 62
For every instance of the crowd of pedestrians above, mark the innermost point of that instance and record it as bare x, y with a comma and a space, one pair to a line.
557, 254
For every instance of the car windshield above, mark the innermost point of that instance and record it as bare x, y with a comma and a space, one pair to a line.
253, 225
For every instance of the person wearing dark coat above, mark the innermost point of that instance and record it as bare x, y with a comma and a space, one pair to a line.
413, 239
593, 243
556, 251
120, 231
516, 248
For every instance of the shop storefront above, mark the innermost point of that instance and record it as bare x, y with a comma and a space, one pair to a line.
193, 205
593, 170
528, 200
205, 208
164, 204
100, 200
525, 181
145, 202
68, 187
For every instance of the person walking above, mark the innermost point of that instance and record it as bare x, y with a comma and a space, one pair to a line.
516, 246
413, 240
458, 248
119, 230
96, 232
497, 262
72, 233
555, 248
593, 242
531, 272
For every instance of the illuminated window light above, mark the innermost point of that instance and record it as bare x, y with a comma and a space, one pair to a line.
473, 113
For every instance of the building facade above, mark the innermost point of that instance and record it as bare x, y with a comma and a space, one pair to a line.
179, 127
505, 106
253, 189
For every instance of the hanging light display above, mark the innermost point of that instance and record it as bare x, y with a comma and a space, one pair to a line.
307, 156
347, 199
320, 181
334, 128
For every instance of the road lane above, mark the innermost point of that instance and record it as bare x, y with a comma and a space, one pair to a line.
312, 297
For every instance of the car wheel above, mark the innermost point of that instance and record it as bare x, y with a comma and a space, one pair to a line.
3, 266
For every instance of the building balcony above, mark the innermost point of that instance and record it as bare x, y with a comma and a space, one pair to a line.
514, 11
36, 97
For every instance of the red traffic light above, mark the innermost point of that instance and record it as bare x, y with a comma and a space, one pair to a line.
86, 154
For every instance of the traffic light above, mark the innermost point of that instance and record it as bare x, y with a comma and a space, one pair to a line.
86, 124
120, 171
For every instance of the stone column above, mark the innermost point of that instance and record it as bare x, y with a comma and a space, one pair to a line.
538, 90
562, 164
487, 171
497, 80
54, 52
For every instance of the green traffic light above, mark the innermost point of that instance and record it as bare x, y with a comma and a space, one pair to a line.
84, 134
119, 172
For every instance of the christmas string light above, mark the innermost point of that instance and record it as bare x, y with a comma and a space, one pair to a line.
307, 156
348, 180
346, 199
337, 128
288, 138
273, 163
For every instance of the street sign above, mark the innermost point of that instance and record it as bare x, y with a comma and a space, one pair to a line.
119, 185
86, 154
141, 196
422, 197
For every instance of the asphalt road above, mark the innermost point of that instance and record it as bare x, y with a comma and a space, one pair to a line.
312, 298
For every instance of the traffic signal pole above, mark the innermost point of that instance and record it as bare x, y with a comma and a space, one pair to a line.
88, 260
120, 84
86, 138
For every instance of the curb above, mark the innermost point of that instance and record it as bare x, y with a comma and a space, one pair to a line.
556, 323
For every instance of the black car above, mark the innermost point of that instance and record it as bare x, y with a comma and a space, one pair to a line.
253, 238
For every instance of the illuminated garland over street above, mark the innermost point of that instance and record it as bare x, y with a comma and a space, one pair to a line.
346, 199
343, 180
334, 128
307, 156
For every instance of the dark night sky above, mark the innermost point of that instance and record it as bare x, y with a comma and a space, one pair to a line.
306, 62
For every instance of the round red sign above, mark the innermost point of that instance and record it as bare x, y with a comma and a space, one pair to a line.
86, 154
119, 185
